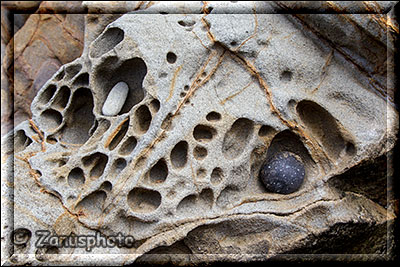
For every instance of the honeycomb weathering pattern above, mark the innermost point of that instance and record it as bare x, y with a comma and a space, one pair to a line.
211, 97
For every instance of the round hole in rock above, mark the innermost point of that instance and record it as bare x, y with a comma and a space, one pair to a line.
128, 146
187, 22
323, 126
51, 140
159, 172
76, 178
179, 154
199, 152
76, 130
72, 70
216, 176
50, 119
143, 118
62, 98
142, 200
155, 105
171, 57
47, 94
60, 75
21, 141
286, 76
350, 148
265, 130
213, 116
237, 137
201, 173
106, 186
204, 133
119, 165
81, 80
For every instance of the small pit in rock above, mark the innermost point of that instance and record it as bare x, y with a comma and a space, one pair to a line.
204, 133
143, 200
237, 137
159, 172
171, 58
213, 116
155, 105
128, 146
72, 70
50, 119
81, 80
118, 135
199, 152
265, 130
62, 98
179, 154
76, 178
143, 118
216, 176
21, 141
97, 162
47, 94
286, 76
76, 129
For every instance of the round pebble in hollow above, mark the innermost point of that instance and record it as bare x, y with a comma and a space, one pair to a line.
283, 173
116, 99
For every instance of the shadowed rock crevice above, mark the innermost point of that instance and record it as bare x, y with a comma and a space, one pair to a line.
179, 154
107, 41
117, 138
97, 163
368, 178
21, 141
76, 130
325, 128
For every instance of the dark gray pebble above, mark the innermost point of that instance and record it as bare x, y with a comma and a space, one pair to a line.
283, 173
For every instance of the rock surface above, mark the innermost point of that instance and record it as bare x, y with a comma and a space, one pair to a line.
212, 97
36, 51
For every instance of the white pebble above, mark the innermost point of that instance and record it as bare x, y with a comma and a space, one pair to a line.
115, 99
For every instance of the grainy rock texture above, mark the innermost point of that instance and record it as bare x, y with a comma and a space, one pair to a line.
35, 52
212, 97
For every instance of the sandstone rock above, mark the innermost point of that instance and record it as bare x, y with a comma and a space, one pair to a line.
38, 49
212, 97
